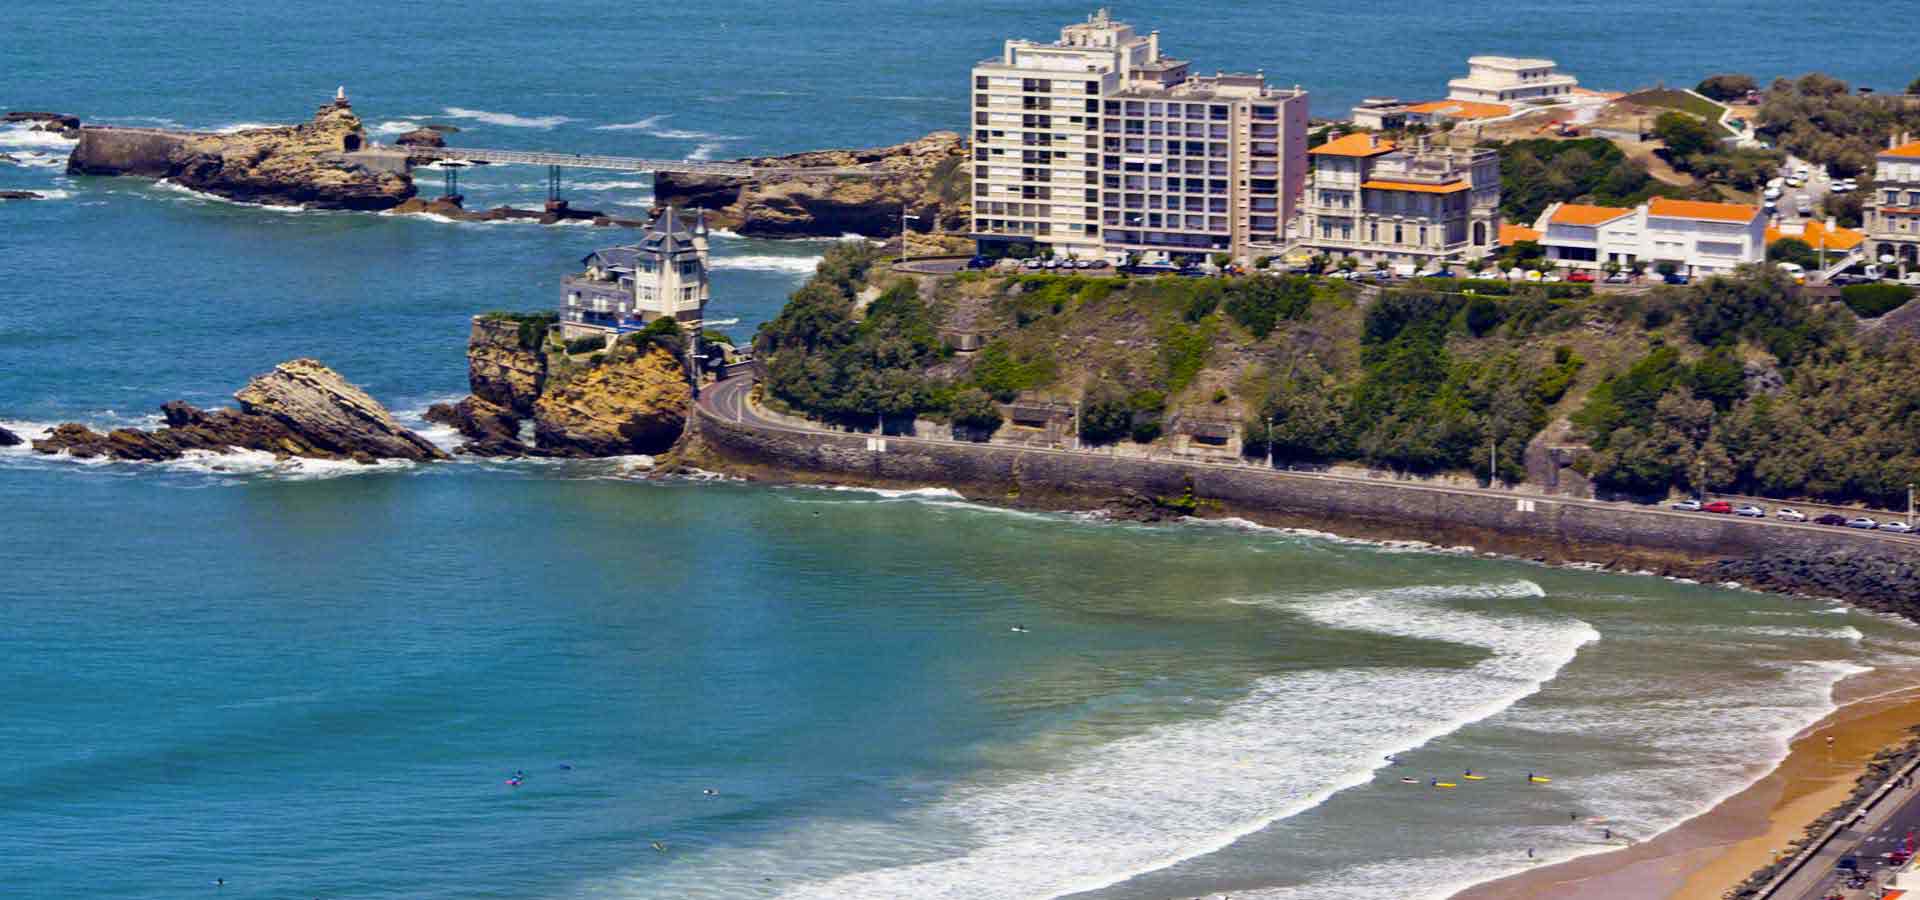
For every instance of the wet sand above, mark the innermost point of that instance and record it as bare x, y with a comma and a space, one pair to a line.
1707, 855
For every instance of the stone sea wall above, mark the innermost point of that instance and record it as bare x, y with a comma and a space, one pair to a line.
1549, 530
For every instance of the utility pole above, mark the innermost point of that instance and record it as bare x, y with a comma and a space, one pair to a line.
1493, 460
1269, 441
903, 230
1909, 504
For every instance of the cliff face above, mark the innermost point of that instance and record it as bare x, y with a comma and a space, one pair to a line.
631, 399
300, 165
632, 402
929, 178
301, 408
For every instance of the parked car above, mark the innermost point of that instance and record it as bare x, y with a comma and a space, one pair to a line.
1676, 278
1443, 273
1618, 278
979, 262
1750, 511
1790, 514
1831, 519
1687, 506
1862, 522
1034, 263
1718, 506
1581, 277
1896, 527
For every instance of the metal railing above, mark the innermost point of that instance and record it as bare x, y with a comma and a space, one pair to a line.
629, 163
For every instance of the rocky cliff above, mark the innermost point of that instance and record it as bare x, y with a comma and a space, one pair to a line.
297, 165
301, 408
929, 178
630, 398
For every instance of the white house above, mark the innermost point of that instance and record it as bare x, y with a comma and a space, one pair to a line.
625, 288
1698, 238
1508, 79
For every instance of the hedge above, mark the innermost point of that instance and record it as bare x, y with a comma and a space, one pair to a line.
1870, 301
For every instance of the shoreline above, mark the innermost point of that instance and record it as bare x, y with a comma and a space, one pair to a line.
1713, 852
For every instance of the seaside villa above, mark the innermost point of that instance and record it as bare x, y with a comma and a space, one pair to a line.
1509, 79
1892, 215
624, 288
1379, 202
1696, 238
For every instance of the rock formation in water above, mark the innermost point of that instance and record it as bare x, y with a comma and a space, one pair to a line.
626, 399
295, 165
56, 123
8, 438
20, 195
929, 177
301, 408
422, 137
556, 212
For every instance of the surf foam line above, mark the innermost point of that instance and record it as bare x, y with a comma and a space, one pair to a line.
1192, 788
795, 265
507, 120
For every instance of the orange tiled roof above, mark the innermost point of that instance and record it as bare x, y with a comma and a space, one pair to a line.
1581, 214
1513, 234
1461, 109
1355, 144
1909, 150
1816, 235
1451, 187
1696, 209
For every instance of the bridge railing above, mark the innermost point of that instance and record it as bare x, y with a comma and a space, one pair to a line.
625, 163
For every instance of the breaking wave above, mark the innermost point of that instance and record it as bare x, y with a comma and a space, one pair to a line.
798, 265
507, 120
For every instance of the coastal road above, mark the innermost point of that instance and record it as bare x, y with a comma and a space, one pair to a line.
729, 400
1883, 829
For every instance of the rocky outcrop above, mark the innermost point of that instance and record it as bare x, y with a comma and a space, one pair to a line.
20, 195
8, 438
556, 212
1879, 582
301, 408
632, 398
301, 165
422, 137
634, 401
929, 178
58, 123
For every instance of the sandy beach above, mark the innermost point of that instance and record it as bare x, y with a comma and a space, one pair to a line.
1705, 856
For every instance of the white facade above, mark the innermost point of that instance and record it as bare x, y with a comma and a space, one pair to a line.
1891, 214
1378, 202
1508, 79
1698, 238
623, 288
1096, 145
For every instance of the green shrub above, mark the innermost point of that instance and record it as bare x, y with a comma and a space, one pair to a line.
1871, 301
1105, 414
974, 409
533, 326
586, 344
1259, 303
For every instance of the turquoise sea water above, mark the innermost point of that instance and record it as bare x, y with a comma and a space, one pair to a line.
314, 680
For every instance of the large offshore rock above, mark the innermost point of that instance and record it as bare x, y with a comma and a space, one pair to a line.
929, 178
505, 366
8, 438
633, 401
296, 165
301, 408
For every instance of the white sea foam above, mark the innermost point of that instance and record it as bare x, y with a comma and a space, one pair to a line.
21, 134
607, 185
237, 127
38, 160
651, 127
902, 494
507, 120
50, 193
170, 186
798, 265
1194, 787
396, 127
704, 151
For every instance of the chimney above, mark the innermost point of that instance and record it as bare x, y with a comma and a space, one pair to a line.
1153, 44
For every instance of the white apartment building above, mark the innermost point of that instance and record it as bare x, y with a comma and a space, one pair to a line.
1697, 238
1509, 79
1097, 145
1891, 216
1376, 201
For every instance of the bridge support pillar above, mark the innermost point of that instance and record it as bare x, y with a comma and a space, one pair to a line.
553, 183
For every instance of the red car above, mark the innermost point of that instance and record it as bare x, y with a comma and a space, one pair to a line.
1718, 506
1581, 277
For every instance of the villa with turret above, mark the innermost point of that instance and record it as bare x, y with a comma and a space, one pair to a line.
625, 288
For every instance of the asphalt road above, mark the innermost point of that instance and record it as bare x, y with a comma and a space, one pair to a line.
1815, 191
1883, 829
727, 400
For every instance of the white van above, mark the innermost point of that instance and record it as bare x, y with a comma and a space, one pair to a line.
1795, 269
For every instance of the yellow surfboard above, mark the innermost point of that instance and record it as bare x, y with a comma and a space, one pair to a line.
1474, 777
1445, 784
1538, 779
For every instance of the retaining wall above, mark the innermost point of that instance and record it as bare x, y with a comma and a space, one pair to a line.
1547, 528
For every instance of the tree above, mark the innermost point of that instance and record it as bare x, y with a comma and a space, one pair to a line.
1105, 415
1477, 264
1684, 135
1913, 87
1348, 263
1793, 250
1726, 87
975, 411
1611, 267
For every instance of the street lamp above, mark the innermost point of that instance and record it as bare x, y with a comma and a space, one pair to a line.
903, 231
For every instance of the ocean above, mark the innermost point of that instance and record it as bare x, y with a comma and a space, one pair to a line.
310, 679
